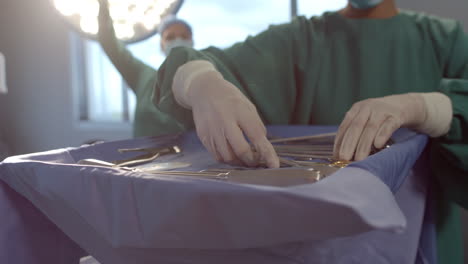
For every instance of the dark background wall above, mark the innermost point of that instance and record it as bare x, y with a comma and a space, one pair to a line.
38, 112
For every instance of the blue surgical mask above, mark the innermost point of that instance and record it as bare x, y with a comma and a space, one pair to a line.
365, 4
178, 42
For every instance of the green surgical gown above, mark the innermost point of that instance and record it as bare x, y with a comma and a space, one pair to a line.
148, 120
311, 71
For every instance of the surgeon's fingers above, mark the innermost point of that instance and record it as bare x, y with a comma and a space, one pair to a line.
390, 125
353, 134
224, 148
267, 152
347, 120
368, 136
255, 131
239, 145
204, 133
209, 143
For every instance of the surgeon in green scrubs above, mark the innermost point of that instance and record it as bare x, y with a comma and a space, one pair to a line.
369, 67
140, 77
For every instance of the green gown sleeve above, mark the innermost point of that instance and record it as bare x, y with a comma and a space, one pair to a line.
129, 67
278, 63
450, 152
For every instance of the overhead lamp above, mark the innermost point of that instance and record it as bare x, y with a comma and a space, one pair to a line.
134, 20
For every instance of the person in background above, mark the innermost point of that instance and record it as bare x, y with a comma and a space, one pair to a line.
370, 67
140, 77
175, 33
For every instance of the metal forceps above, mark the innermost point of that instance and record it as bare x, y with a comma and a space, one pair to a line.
150, 155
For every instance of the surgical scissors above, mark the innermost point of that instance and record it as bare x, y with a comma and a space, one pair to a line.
150, 155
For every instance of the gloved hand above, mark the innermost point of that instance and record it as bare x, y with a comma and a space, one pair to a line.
104, 16
373, 121
103, 6
223, 115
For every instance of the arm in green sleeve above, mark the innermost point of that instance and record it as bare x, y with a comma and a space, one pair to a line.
129, 67
266, 68
450, 152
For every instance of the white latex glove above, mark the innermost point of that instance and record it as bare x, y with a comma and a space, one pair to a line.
103, 7
104, 18
223, 115
373, 121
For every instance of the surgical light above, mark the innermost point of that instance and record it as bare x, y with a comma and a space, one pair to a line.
134, 20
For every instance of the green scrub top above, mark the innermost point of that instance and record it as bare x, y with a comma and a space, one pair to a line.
311, 71
148, 120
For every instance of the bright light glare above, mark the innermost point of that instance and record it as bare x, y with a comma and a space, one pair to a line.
65, 7
88, 8
124, 31
317, 7
131, 17
89, 25
150, 22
